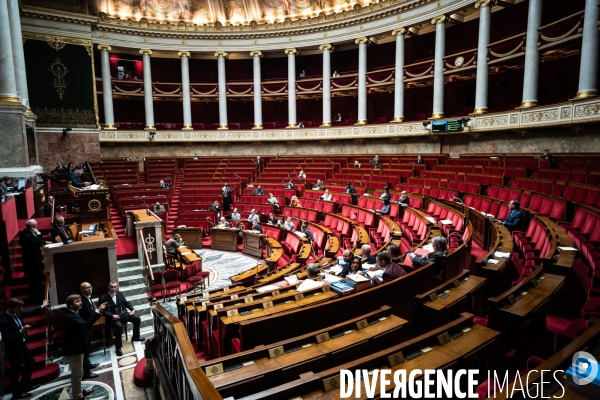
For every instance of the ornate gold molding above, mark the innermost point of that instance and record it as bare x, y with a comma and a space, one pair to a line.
439, 20
184, 53
221, 54
400, 31
256, 53
61, 118
485, 3
146, 51
105, 47
291, 51
361, 40
58, 42
326, 46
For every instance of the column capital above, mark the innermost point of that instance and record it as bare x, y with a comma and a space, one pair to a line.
146, 51
291, 51
184, 53
256, 53
400, 31
485, 3
326, 46
442, 19
361, 40
104, 47
221, 54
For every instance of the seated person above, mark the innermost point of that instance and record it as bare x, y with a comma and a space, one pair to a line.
294, 202
59, 232
420, 160
307, 233
312, 271
222, 223
515, 217
256, 227
273, 200
326, 196
290, 185
75, 178
338, 118
356, 267
159, 208
215, 207
289, 225
335, 74
385, 195
301, 174
389, 270
253, 216
173, 244
547, 156
385, 208
344, 262
357, 164
376, 161
60, 167
349, 188
436, 256
259, 191
302, 74
300, 124
281, 222
320, 185
394, 252
403, 199
235, 215
365, 254
272, 220
163, 185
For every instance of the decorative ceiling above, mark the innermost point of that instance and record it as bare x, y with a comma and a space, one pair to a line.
224, 11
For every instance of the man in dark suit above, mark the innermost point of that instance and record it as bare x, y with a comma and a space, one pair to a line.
259, 191
31, 242
14, 335
75, 178
436, 256
86, 312
118, 312
77, 338
58, 230
256, 227
48, 206
515, 216
349, 188
290, 185
227, 198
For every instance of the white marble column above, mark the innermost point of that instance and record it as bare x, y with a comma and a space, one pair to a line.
362, 80
256, 55
532, 55
483, 70
18, 55
8, 87
326, 49
588, 67
148, 104
292, 120
109, 116
438, 66
223, 124
399, 75
185, 90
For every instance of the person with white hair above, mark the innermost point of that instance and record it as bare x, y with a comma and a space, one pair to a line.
59, 231
365, 254
222, 223
253, 216
235, 215
31, 242
436, 256
312, 271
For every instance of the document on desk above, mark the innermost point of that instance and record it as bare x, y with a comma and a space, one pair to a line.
431, 219
446, 221
332, 278
308, 284
186, 253
336, 269
500, 254
292, 279
567, 248
493, 261
53, 245
266, 288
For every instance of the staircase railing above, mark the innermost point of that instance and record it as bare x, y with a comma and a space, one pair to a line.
49, 327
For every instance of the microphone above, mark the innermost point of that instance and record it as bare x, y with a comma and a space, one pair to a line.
457, 199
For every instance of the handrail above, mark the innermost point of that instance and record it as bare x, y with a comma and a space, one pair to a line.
48, 312
47, 286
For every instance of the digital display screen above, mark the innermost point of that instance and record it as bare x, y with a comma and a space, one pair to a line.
451, 125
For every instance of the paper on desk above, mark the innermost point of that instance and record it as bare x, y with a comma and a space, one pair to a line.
446, 222
567, 248
266, 288
309, 284
428, 247
493, 261
490, 215
430, 219
52, 245
368, 266
336, 269
93, 187
186, 253
332, 278
292, 279
500, 254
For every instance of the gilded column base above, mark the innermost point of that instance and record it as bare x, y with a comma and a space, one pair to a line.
150, 128
257, 126
361, 122
437, 116
291, 126
223, 127
397, 119
187, 128
10, 100
29, 112
479, 111
110, 128
528, 104
585, 94
325, 124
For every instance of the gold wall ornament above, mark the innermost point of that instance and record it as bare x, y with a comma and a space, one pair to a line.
400, 31
59, 71
256, 53
326, 47
291, 51
221, 54
361, 40
53, 117
439, 20
183, 53
104, 47
483, 3
145, 51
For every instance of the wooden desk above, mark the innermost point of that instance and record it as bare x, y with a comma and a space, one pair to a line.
224, 239
500, 240
70, 264
274, 252
192, 237
151, 229
253, 243
433, 310
187, 255
248, 277
279, 274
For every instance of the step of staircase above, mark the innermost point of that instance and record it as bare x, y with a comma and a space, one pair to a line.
133, 285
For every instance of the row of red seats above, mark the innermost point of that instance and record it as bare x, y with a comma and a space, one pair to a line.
584, 231
540, 185
336, 196
339, 226
544, 205
256, 199
361, 216
579, 165
534, 247
584, 194
561, 175
507, 172
413, 226
487, 205
301, 213
371, 203
381, 235
279, 193
319, 205
441, 213
442, 194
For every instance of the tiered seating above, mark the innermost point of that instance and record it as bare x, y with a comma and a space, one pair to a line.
304, 214
338, 194
116, 172
160, 168
339, 225
584, 194
562, 175
364, 217
414, 228
319, 205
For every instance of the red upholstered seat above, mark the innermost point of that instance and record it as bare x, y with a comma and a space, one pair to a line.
591, 308
171, 282
157, 285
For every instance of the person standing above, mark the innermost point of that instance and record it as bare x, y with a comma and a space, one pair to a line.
77, 339
118, 312
226, 193
31, 252
86, 312
14, 334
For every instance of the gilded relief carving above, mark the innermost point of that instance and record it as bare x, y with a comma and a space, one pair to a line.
53, 117
539, 116
59, 71
587, 110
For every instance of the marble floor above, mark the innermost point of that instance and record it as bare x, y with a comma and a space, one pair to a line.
116, 373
